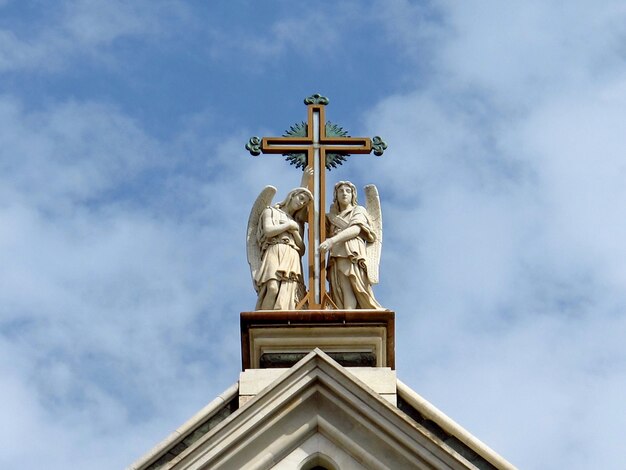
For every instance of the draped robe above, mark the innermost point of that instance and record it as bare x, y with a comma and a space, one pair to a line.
349, 258
280, 261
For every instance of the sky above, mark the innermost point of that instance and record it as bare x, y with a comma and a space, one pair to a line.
125, 190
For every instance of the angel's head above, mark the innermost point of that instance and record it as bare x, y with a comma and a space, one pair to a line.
344, 194
296, 203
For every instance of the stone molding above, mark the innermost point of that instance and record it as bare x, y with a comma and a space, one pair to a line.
318, 396
186, 429
381, 380
369, 332
320, 407
435, 415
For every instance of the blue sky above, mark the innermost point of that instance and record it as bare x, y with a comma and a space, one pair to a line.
125, 190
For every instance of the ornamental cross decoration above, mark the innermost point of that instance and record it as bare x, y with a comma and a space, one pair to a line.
317, 144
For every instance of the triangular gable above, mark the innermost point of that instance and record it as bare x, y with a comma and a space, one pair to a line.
317, 395
190, 431
424, 413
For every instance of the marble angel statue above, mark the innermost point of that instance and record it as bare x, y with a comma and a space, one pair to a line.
275, 246
354, 242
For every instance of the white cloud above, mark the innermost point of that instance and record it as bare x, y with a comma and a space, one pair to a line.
417, 28
123, 260
71, 152
521, 52
311, 34
109, 296
83, 28
314, 33
509, 202
90, 284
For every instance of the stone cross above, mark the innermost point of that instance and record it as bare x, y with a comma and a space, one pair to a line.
316, 144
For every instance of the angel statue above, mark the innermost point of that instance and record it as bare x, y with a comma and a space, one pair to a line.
354, 242
275, 246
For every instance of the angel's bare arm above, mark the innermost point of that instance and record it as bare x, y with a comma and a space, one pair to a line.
271, 229
298, 239
343, 236
307, 174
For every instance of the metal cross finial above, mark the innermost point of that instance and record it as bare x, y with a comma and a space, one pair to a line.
316, 143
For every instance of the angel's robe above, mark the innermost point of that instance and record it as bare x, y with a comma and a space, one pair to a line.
280, 261
348, 259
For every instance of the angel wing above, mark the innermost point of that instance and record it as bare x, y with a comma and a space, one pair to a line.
373, 250
263, 200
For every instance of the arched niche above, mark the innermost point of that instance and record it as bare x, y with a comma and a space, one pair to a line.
318, 461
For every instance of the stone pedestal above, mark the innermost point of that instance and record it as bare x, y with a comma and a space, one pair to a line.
354, 338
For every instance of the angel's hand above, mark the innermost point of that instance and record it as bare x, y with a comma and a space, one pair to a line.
326, 245
291, 226
307, 174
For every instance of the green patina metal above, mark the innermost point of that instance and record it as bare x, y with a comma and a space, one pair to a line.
254, 146
379, 145
333, 160
299, 159
316, 99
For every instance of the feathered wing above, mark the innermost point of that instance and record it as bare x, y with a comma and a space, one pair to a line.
373, 250
252, 243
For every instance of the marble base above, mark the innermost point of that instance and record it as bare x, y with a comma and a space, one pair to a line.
354, 338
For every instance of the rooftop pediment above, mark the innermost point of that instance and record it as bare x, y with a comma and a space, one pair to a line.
318, 396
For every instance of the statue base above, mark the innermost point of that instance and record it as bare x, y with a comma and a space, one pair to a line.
354, 338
